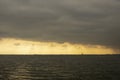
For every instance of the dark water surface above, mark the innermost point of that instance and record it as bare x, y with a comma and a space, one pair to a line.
60, 67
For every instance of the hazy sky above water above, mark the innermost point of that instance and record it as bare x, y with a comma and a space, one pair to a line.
87, 22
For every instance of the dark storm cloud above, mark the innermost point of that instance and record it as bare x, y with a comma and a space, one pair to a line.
76, 21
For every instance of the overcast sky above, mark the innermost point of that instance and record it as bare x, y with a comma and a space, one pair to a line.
94, 22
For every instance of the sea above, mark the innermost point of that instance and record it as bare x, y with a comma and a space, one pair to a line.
59, 67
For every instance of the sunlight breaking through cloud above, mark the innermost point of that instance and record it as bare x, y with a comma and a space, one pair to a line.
16, 46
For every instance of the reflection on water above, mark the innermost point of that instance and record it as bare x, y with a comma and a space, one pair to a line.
21, 72
59, 67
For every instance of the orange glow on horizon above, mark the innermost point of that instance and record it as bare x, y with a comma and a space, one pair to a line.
15, 46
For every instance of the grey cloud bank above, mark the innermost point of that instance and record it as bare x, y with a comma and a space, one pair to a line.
95, 22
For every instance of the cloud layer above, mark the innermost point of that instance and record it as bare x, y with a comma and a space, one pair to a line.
95, 22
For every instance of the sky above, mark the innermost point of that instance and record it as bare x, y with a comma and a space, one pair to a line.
92, 25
